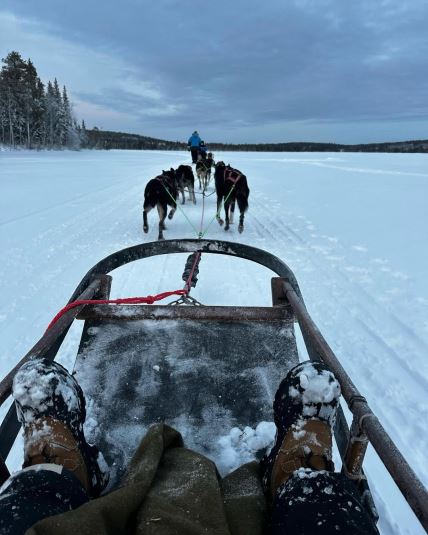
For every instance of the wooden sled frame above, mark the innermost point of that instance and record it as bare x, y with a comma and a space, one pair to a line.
352, 443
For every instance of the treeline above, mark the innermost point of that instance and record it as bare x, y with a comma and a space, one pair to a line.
104, 139
32, 115
401, 146
101, 139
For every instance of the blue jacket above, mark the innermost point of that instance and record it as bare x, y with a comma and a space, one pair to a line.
194, 141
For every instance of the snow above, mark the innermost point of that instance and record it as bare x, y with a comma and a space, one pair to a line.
241, 445
351, 226
35, 388
316, 387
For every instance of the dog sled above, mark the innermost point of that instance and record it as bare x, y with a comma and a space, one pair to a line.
205, 368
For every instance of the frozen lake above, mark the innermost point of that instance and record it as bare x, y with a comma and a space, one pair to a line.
353, 227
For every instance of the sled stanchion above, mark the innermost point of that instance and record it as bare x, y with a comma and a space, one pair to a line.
355, 452
405, 478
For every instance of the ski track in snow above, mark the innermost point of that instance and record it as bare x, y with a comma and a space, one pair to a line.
359, 316
369, 311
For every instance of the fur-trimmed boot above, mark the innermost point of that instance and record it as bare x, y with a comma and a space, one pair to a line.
51, 407
304, 412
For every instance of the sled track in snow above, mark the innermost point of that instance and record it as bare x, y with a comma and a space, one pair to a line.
357, 290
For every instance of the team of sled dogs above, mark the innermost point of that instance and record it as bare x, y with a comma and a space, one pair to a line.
164, 190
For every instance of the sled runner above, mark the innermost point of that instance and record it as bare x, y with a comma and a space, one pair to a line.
203, 369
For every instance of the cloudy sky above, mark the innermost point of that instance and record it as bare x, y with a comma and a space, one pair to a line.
236, 70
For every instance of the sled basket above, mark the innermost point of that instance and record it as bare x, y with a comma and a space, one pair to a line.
202, 369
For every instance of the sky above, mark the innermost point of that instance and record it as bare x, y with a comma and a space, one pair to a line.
235, 70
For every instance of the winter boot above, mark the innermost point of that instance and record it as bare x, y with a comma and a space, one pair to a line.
304, 412
51, 407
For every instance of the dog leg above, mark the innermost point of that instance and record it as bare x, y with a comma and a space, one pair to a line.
219, 219
162, 215
226, 211
241, 223
182, 195
232, 211
145, 220
171, 213
161, 229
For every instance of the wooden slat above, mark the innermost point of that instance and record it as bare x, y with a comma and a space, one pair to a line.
199, 313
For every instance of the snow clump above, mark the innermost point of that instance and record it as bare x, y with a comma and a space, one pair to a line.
241, 446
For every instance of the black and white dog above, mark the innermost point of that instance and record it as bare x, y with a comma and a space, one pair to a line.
231, 186
203, 170
186, 179
161, 191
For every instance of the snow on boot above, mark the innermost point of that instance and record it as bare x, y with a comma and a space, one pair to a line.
304, 412
51, 407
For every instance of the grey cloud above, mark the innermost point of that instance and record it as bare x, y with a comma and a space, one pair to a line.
251, 63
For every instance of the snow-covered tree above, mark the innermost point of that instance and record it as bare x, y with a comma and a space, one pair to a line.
30, 115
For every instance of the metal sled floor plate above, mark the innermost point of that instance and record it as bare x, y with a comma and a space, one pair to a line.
201, 377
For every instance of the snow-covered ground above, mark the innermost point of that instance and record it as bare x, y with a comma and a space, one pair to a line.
353, 228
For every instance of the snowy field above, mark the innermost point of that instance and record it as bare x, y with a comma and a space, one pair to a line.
353, 227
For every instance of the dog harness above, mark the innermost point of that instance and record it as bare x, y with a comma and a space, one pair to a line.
206, 164
233, 175
163, 179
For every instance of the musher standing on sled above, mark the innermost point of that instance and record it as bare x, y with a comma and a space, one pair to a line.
193, 145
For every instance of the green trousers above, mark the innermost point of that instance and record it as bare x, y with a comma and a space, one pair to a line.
168, 490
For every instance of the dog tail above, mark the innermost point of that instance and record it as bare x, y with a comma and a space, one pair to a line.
242, 194
150, 194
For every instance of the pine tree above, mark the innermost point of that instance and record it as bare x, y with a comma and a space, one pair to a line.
29, 95
13, 95
39, 113
84, 139
59, 127
31, 115
50, 115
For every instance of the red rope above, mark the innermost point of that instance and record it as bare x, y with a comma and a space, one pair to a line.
149, 300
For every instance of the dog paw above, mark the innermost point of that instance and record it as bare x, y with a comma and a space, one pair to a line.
241, 229
146, 229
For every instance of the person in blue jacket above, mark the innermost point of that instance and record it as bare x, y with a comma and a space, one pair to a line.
194, 144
